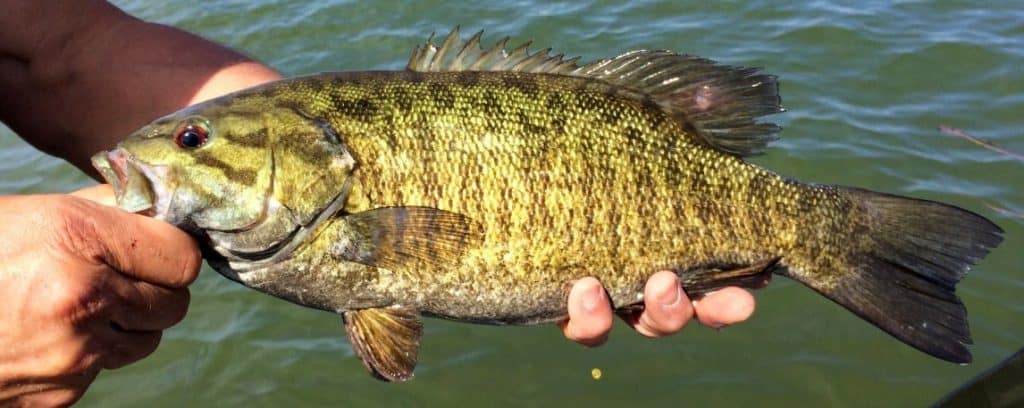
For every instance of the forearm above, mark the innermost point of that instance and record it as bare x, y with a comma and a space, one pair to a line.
77, 76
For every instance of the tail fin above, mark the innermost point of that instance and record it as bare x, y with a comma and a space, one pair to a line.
905, 283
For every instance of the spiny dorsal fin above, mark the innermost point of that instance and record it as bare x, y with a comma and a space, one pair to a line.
720, 102
456, 54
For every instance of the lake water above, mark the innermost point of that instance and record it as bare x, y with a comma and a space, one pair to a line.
866, 84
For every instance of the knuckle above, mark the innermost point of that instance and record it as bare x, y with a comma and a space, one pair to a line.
660, 325
645, 327
666, 320
133, 349
579, 335
674, 324
588, 339
177, 308
75, 236
646, 331
143, 346
732, 305
76, 299
572, 332
72, 231
189, 265
61, 397
75, 359
592, 343
130, 349
587, 335
181, 268
150, 344
742, 310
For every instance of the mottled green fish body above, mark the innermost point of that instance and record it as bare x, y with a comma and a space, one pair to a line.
478, 185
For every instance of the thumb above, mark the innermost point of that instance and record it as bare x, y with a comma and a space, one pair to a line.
100, 193
138, 246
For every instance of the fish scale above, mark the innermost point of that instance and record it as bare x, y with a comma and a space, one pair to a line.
538, 202
480, 184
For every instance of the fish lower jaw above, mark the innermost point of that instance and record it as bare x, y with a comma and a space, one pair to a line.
159, 196
132, 186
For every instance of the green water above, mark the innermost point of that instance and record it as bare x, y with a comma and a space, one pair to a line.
866, 85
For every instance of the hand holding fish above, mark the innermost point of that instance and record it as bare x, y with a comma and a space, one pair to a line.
85, 287
666, 312
486, 184
480, 184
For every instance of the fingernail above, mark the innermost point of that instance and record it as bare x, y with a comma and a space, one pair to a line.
671, 298
593, 298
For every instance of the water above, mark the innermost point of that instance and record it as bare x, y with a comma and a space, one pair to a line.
866, 85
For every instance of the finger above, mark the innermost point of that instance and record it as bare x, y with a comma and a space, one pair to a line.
60, 391
135, 245
100, 193
145, 307
667, 309
124, 347
723, 307
590, 313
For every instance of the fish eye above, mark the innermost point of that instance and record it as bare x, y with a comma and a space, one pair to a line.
192, 134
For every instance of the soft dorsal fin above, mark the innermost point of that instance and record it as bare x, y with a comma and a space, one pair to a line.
720, 102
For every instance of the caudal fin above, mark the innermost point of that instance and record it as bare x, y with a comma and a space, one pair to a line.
905, 281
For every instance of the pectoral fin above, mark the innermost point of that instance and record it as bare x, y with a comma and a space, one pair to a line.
387, 340
407, 238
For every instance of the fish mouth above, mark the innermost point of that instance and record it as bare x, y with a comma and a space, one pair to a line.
133, 188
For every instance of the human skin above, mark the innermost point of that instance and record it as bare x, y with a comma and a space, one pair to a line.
86, 286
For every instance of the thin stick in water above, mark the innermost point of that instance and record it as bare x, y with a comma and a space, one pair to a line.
949, 130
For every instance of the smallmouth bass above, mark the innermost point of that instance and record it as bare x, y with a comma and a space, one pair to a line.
479, 184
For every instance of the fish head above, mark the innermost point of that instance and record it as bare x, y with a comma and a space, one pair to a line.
244, 170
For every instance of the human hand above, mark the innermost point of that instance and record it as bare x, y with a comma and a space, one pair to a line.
667, 309
83, 287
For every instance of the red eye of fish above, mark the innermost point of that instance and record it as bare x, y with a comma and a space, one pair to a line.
192, 135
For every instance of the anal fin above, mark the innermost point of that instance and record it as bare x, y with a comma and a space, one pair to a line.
703, 280
386, 339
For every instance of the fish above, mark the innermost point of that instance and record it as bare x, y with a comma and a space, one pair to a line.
479, 183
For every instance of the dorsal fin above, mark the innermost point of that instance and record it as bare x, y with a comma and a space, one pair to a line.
720, 102
456, 54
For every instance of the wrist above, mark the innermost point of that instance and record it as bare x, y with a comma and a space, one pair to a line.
55, 51
232, 78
